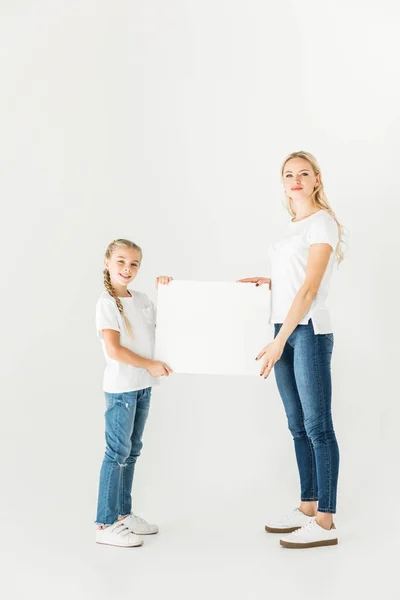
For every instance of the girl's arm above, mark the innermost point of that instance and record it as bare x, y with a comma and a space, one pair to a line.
318, 260
121, 354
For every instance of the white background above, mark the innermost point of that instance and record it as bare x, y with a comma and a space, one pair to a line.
166, 123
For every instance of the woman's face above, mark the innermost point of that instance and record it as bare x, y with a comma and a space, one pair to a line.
123, 265
299, 179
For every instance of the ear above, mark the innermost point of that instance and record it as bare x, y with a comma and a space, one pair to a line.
105, 263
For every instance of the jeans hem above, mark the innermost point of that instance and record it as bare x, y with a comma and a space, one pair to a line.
105, 524
327, 510
309, 499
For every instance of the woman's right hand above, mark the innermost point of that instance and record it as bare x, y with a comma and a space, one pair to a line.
157, 368
257, 280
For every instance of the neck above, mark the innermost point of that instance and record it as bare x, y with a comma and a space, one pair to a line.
304, 209
120, 290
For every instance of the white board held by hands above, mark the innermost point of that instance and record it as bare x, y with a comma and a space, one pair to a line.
212, 327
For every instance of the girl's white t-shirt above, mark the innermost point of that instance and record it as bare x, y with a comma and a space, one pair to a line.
288, 261
140, 311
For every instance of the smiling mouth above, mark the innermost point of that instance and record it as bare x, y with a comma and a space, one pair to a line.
124, 276
296, 189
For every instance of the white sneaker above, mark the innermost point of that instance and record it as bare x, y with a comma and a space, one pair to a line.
139, 525
288, 523
311, 536
118, 534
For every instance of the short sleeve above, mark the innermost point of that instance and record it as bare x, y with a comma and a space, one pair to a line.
323, 231
106, 316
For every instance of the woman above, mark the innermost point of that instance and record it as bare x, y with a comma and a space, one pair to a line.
301, 268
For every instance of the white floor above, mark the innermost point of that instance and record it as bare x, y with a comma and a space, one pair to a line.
219, 550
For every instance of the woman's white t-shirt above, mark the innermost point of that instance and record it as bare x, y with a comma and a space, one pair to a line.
140, 311
288, 261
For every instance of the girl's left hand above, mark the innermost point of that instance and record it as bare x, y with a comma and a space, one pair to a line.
163, 280
272, 354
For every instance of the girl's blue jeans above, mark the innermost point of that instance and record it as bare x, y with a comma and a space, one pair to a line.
125, 418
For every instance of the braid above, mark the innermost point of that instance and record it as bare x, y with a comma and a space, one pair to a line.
111, 291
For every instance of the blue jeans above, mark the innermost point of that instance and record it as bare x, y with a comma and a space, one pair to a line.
303, 376
125, 418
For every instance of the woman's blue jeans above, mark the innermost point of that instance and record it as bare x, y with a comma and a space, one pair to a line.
303, 376
125, 419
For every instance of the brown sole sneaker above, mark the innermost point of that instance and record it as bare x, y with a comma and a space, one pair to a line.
276, 530
310, 544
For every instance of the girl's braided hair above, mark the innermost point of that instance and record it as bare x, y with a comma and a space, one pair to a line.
107, 279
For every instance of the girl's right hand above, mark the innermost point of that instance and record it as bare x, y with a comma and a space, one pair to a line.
157, 368
257, 280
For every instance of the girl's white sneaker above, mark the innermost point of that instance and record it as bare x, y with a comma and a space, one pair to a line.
289, 522
310, 536
139, 525
118, 534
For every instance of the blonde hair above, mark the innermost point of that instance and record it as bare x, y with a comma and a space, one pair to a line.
319, 199
107, 279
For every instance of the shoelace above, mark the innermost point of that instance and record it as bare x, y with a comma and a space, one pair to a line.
290, 514
309, 525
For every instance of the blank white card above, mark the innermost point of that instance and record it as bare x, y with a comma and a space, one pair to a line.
212, 327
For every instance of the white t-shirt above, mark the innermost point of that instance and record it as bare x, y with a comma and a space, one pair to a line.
140, 311
288, 261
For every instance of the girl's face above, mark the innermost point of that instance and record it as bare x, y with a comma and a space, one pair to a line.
123, 265
299, 179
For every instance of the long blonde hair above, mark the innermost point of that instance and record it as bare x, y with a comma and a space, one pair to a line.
319, 199
107, 279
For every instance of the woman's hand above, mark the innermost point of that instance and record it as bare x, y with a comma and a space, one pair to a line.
257, 280
156, 368
163, 280
271, 354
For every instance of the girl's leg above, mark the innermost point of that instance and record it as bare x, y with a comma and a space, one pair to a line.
119, 419
285, 378
142, 411
312, 367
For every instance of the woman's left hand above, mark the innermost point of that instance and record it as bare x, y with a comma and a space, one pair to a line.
271, 354
163, 280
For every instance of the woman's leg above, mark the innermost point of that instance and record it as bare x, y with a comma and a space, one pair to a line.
286, 382
142, 411
119, 418
312, 368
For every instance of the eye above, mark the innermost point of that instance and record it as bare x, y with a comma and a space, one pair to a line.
305, 174
121, 262
288, 175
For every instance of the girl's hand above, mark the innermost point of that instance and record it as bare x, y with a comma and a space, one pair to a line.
257, 280
272, 354
157, 368
163, 280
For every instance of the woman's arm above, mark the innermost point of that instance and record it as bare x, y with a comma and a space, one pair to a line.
318, 260
121, 354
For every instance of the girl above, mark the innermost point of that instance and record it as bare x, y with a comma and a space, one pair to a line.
125, 322
301, 269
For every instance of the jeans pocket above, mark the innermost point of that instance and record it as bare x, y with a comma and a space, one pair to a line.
110, 399
328, 336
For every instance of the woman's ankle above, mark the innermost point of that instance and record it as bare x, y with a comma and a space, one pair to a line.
308, 508
324, 520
